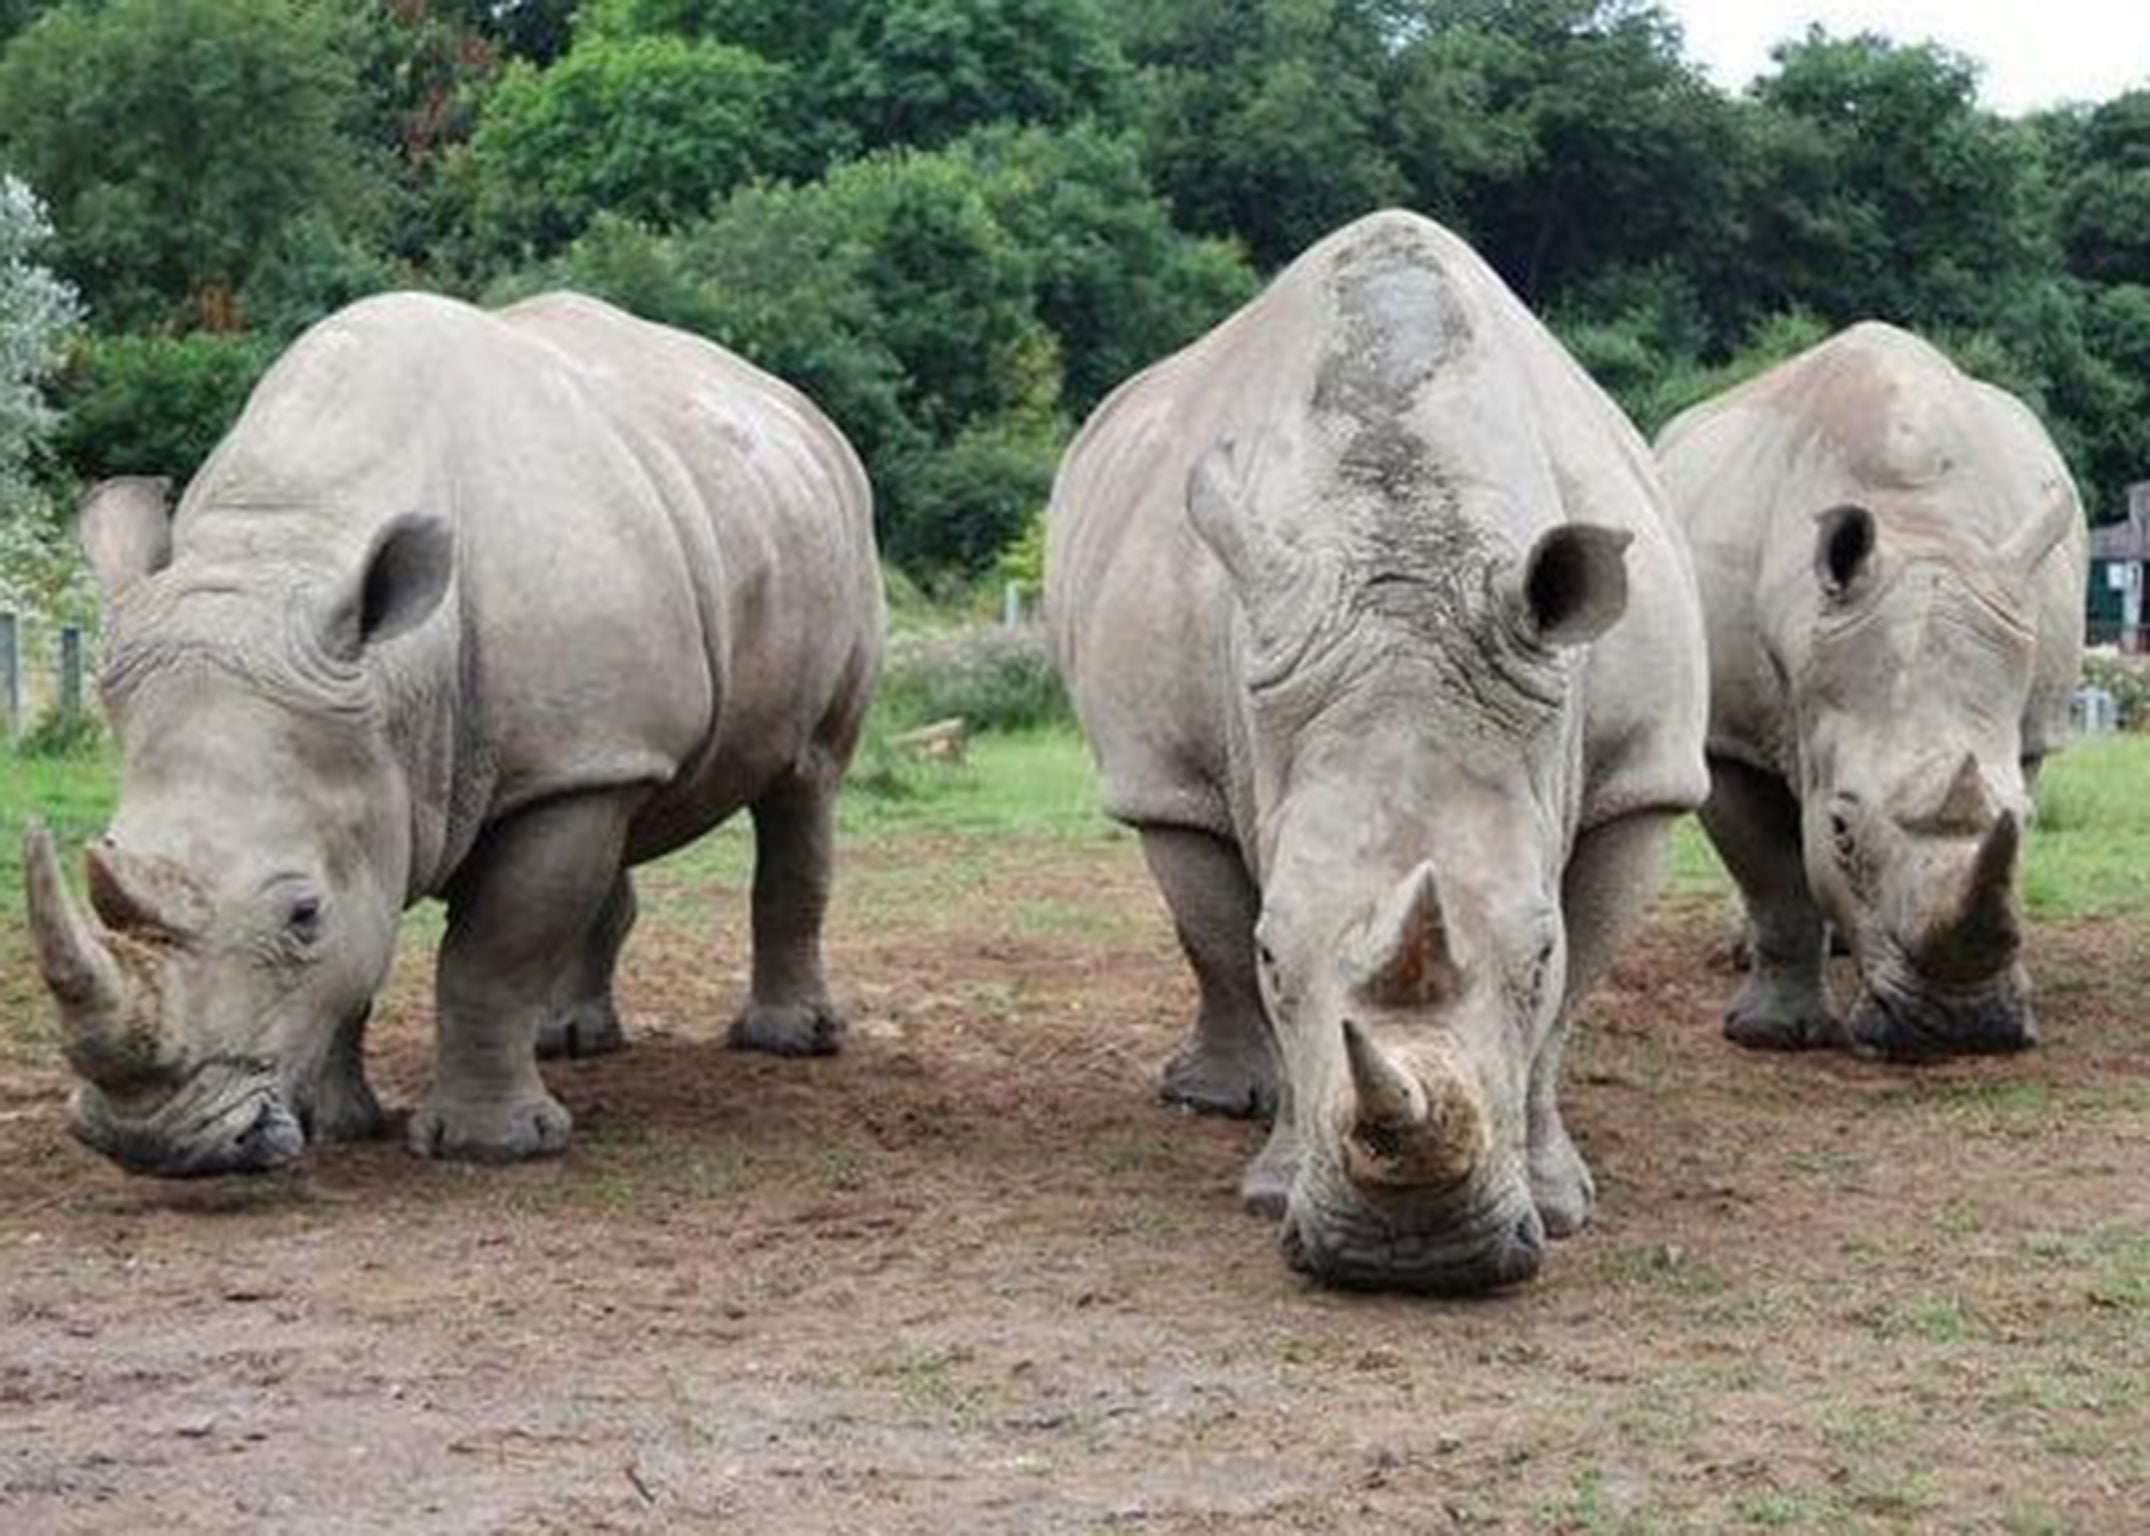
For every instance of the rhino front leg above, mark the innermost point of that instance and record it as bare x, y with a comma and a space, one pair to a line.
583, 1021
1227, 1065
1610, 878
518, 914
1783, 1004
344, 1108
788, 1012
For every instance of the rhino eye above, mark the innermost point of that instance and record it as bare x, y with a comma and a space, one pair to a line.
1840, 836
303, 921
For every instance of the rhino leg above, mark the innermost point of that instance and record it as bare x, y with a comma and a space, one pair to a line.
1611, 876
518, 914
1227, 1065
583, 1021
788, 1012
344, 1108
1783, 1004
1265, 1184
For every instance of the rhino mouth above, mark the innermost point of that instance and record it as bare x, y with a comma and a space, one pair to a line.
1468, 1248
1901, 1016
223, 1118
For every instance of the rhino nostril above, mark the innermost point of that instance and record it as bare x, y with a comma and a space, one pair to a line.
1524, 1250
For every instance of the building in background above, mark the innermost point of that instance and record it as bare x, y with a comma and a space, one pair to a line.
2119, 566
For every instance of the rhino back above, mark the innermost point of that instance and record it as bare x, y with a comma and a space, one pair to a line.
664, 559
1873, 417
1390, 309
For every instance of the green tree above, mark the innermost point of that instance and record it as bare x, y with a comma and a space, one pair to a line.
1117, 284
37, 312
1570, 140
874, 74
650, 128
1897, 196
2104, 176
1263, 118
175, 139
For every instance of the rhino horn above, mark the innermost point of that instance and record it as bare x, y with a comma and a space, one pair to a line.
1983, 931
1404, 957
108, 1038
147, 897
76, 964
1988, 915
1406, 1126
1383, 1092
1966, 805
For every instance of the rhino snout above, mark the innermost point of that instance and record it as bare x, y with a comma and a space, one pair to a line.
212, 1124
1367, 1249
1900, 1019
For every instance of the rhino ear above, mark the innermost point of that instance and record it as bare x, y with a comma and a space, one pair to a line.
126, 530
396, 588
1843, 548
1575, 583
1221, 505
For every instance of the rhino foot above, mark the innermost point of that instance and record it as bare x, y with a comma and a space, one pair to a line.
1265, 1186
1561, 1188
1764, 1018
344, 1109
788, 1029
586, 1029
1213, 1083
490, 1132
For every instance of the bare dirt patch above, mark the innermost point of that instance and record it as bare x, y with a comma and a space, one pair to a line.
971, 1276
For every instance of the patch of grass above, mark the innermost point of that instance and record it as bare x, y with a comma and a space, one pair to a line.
2089, 849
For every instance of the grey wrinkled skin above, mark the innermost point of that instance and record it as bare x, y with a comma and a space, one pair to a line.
1892, 559
1370, 611
490, 607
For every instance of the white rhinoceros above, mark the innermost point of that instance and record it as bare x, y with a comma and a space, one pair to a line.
1891, 558
1372, 614
485, 606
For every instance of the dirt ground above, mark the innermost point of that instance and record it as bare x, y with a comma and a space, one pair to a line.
970, 1276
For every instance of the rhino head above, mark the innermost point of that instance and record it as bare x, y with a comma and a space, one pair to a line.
1908, 706
1415, 741
243, 901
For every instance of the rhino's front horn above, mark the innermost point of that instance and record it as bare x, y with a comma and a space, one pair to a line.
107, 1040
1981, 936
1988, 917
1407, 1126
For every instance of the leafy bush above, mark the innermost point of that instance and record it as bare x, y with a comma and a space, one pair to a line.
993, 677
155, 405
62, 733
2127, 679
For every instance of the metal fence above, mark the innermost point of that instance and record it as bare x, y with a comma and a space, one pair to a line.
41, 672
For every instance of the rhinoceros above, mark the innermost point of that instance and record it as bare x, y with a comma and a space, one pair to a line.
485, 606
1891, 557
1372, 615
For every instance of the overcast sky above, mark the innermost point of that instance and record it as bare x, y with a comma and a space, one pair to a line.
2036, 53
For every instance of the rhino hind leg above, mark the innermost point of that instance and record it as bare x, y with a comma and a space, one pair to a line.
584, 1021
788, 1011
1611, 876
1783, 1001
344, 1108
518, 914
1227, 1064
